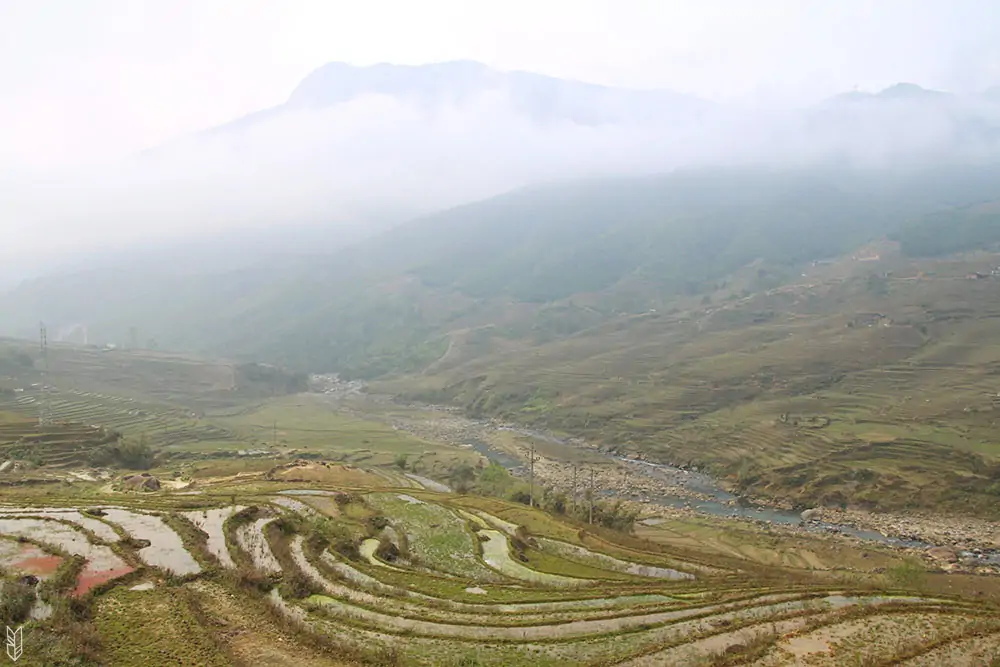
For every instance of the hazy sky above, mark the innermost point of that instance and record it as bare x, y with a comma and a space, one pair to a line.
85, 82
91, 79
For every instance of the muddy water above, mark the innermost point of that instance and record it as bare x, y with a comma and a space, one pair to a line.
496, 553
251, 539
27, 558
602, 560
102, 530
212, 522
165, 550
102, 563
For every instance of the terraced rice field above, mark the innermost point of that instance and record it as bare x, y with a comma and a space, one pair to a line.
85, 416
465, 586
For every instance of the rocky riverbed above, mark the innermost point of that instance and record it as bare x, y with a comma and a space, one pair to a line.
967, 541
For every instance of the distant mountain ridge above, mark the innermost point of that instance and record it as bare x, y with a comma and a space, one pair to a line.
536, 96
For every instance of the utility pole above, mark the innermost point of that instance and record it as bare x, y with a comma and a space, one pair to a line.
591, 520
531, 476
574, 489
43, 407
274, 436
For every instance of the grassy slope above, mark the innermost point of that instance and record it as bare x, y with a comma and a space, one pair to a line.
668, 315
778, 391
539, 263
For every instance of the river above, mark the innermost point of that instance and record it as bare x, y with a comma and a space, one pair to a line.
720, 502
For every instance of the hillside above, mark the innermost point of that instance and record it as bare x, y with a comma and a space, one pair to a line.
542, 261
736, 320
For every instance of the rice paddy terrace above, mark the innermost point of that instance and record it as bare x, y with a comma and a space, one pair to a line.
381, 570
162, 397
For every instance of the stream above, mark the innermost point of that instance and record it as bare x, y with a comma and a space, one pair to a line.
720, 502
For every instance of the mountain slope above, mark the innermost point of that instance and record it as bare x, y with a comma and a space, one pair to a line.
559, 256
754, 322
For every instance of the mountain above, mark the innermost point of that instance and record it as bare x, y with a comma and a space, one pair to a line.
355, 148
542, 99
619, 244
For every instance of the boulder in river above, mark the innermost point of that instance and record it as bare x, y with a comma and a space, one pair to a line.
811, 515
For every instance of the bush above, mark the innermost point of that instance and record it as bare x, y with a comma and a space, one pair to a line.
16, 600
297, 586
288, 525
378, 522
248, 577
387, 550
134, 454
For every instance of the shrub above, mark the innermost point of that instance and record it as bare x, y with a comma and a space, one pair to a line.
16, 600
297, 586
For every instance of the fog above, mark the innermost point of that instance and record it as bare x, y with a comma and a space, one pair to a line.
82, 96
382, 158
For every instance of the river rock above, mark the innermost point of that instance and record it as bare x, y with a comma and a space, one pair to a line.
943, 554
811, 515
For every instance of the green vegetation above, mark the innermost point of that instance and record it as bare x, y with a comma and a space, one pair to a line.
16, 600
678, 318
667, 316
330, 606
971, 227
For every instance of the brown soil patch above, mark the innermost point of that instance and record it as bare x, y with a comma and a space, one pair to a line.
90, 579
39, 564
330, 474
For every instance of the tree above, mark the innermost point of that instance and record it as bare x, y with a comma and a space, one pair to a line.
135, 453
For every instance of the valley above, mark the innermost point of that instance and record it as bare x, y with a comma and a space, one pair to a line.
632, 335
322, 521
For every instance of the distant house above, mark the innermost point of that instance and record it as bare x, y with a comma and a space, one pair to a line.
976, 276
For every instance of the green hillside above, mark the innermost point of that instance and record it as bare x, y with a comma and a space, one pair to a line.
684, 316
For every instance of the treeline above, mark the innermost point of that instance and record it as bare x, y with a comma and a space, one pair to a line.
135, 454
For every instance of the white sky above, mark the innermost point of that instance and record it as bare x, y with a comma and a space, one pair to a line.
84, 80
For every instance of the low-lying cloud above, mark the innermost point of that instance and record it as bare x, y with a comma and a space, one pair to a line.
379, 155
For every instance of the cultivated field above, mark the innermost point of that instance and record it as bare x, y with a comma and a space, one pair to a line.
407, 576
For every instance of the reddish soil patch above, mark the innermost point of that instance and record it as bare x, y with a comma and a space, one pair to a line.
42, 565
90, 579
